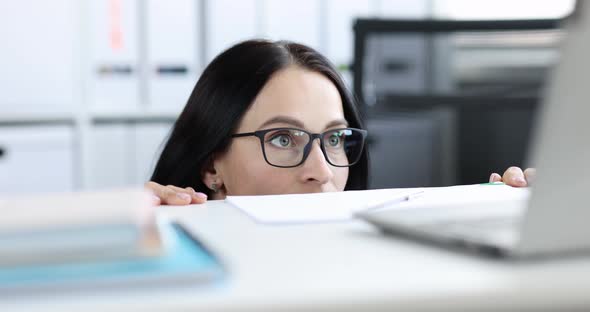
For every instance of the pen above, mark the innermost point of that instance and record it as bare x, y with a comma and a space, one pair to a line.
386, 202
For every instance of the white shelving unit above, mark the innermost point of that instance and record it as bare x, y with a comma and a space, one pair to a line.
89, 89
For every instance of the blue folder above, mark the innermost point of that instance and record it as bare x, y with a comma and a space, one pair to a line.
187, 260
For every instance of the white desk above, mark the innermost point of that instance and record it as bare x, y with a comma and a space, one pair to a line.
341, 267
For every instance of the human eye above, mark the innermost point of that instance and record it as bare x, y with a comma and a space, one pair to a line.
335, 139
281, 140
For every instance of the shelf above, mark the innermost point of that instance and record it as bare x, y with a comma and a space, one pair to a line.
7, 119
134, 116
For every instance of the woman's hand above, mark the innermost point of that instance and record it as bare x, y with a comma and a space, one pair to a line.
514, 176
172, 195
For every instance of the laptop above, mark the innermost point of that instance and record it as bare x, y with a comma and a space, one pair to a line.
555, 219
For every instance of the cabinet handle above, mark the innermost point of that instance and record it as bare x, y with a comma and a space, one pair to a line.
2, 152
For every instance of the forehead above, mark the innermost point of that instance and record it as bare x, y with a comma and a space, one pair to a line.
301, 94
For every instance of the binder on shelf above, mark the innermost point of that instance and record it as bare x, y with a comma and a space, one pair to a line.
39, 57
113, 47
173, 52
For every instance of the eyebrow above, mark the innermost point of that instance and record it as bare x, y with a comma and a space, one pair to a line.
298, 124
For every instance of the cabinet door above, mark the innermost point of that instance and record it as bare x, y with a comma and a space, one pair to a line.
397, 64
149, 142
110, 156
39, 53
124, 155
36, 159
403, 152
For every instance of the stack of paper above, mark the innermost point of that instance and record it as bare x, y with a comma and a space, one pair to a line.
342, 206
78, 226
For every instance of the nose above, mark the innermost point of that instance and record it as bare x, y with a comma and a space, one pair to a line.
316, 168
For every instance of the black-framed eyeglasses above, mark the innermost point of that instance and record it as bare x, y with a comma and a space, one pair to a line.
289, 147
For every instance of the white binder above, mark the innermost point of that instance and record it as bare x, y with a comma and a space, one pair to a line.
112, 67
39, 56
173, 52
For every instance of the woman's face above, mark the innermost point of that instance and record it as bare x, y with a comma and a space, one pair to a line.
292, 98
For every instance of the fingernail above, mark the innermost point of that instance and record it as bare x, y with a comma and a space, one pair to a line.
201, 195
520, 181
183, 196
491, 178
155, 198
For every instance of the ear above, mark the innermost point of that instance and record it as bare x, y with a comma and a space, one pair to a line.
213, 179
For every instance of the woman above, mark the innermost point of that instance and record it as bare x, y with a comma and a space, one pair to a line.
267, 118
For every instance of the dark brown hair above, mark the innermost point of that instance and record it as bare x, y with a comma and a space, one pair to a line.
223, 94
